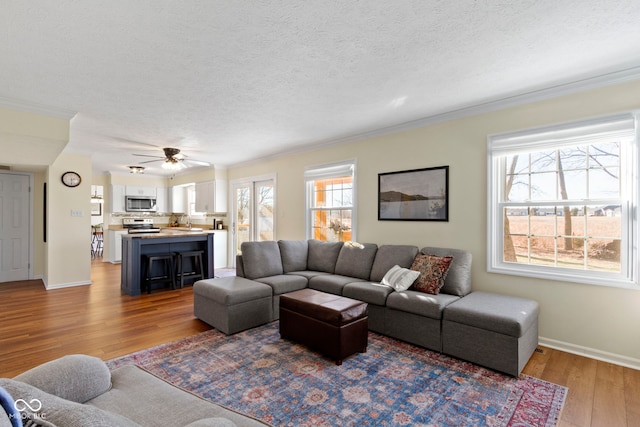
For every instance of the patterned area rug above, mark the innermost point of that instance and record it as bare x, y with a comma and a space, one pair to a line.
392, 384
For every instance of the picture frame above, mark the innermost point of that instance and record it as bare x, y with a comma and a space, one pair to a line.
414, 195
96, 209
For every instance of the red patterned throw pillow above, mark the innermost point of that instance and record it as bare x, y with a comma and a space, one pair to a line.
433, 270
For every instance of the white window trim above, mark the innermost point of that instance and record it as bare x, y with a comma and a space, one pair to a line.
325, 171
544, 138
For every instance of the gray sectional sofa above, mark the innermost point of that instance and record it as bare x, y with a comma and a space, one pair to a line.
79, 390
496, 331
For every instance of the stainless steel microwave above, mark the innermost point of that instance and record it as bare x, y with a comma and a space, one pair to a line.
140, 203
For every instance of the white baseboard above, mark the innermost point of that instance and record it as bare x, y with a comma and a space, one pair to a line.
65, 285
592, 353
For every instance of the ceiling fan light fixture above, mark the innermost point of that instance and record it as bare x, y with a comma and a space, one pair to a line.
136, 169
172, 164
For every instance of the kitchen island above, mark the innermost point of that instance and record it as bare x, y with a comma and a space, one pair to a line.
135, 247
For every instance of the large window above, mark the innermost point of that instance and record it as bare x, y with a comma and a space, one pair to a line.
563, 202
330, 196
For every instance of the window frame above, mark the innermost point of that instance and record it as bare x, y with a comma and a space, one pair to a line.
329, 171
500, 146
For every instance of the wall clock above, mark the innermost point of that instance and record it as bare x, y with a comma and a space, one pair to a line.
71, 179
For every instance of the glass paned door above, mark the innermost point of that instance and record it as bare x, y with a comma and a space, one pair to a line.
264, 210
242, 215
253, 212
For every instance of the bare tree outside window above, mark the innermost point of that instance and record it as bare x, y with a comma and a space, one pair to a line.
562, 207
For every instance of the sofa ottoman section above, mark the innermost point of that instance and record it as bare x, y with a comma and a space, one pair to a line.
496, 331
232, 304
416, 317
333, 325
375, 295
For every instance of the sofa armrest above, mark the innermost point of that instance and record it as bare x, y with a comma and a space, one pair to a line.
76, 377
239, 266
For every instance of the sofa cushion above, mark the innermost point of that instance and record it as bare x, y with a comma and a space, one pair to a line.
425, 305
432, 272
283, 283
308, 274
322, 256
75, 377
399, 279
389, 255
48, 410
261, 259
503, 314
369, 292
164, 404
294, 254
331, 283
355, 261
232, 290
458, 280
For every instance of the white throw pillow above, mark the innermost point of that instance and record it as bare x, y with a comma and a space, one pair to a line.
400, 279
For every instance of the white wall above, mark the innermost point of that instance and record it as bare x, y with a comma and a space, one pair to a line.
68, 247
598, 321
29, 143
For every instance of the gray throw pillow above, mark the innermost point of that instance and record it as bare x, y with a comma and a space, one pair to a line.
323, 255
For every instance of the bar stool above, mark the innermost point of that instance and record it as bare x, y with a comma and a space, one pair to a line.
168, 275
96, 240
196, 263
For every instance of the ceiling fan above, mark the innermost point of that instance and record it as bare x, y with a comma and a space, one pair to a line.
173, 160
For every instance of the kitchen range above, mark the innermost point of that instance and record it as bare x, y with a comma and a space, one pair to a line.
139, 225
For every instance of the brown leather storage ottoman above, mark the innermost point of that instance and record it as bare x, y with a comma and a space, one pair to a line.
333, 325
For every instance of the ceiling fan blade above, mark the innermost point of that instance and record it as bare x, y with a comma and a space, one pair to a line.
151, 161
198, 162
147, 155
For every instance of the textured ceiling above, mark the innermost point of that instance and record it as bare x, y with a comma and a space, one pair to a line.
233, 81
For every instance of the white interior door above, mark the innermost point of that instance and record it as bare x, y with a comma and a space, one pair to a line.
15, 203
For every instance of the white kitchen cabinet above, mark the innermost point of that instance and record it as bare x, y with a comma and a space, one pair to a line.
221, 195
205, 196
116, 198
162, 200
115, 245
136, 190
178, 200
211, 196
220, 248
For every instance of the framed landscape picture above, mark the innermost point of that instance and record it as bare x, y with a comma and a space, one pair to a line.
414, 195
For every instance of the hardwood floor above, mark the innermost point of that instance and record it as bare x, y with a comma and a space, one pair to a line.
38, 325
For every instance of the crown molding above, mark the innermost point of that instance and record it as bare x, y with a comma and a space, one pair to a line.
32, 107
490, 105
